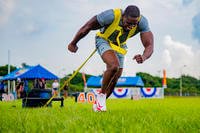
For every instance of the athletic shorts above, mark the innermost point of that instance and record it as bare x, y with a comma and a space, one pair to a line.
55, 89
103, 46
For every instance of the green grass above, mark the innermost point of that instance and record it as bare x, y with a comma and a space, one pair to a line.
172, 114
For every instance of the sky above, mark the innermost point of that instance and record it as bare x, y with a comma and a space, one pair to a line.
38, 32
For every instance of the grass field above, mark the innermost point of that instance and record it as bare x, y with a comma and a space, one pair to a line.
172, 114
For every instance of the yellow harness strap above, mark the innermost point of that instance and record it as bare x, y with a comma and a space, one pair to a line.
112, 28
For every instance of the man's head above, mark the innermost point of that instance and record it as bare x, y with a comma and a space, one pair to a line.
130, 17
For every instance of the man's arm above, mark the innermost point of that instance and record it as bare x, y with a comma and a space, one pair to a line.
147, 41
92, 24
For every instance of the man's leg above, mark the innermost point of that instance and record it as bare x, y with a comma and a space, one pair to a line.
112, 70
111, 87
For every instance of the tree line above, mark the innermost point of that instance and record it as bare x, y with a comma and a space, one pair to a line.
190, 85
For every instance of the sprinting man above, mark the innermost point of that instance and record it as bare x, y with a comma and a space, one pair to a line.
116, 26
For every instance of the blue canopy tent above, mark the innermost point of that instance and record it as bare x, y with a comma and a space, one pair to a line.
95, 81
28, 73
38, 72
34, 72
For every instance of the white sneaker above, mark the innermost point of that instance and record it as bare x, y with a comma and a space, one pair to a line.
101, 102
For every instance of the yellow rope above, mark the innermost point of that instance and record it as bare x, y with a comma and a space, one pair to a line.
71, 77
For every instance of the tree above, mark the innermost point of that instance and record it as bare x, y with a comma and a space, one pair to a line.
4, 69
149, 80
24, 65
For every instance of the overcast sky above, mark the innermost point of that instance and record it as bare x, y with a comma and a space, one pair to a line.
37, 32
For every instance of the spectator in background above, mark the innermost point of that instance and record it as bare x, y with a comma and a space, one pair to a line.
55, 86
42, 83
66, 88
35, 83
19, 88
2, 87
25, 87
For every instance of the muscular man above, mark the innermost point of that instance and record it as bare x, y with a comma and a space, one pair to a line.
116, 26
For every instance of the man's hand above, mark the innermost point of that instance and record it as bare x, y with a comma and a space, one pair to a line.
139, 58
72, 48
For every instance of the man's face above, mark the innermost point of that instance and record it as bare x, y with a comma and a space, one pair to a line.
129, 22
